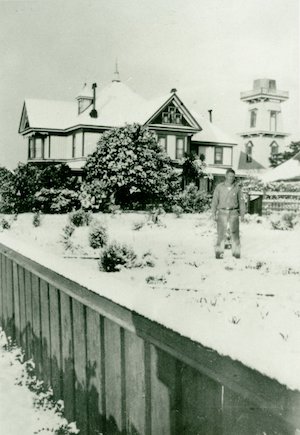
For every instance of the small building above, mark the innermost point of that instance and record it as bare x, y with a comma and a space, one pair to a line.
61, 131
264, 133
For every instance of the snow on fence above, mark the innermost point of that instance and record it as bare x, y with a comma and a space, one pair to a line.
120, 373
269, 201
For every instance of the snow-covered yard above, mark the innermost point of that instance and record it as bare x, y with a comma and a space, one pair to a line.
248, 309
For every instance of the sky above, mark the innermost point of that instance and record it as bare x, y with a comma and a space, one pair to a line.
209, 50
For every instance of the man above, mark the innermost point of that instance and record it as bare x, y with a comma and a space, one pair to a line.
227, 207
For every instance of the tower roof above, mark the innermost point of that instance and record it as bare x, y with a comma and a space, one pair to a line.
263, 90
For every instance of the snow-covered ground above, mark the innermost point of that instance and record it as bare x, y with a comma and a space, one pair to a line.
18, 414
248, 309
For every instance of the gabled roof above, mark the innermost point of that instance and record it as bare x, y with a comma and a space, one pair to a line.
211, 133
289, 170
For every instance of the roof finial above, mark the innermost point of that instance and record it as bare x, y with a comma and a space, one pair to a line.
116, 73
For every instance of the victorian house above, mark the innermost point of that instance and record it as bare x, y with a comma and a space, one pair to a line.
62, 131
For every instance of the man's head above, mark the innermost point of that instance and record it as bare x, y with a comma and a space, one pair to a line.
230, 176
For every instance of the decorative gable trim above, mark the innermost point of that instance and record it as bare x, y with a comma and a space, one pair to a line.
179, 105
24, 121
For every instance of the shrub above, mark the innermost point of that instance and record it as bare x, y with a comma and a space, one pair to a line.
36, 221
80, 218
285, 221
177, 210
4, 224
115, 256
56, 200
138, 225
155, 213
192, 200
130, 166
97, 235
68, 230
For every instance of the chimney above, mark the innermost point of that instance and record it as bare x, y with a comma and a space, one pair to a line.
210, 115
93, 112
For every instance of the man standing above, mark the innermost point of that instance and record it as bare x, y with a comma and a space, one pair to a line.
227, 207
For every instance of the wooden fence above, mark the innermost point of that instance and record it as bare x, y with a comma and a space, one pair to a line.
269, 201
120, 373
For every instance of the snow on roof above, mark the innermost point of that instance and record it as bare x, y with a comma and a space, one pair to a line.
50, 113
210, 132
289, 170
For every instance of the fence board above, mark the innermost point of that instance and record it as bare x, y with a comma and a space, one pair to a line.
135, 385
16, 303
45, 332
165, 393
28, 308
36, 324
1, 293
80, 365
3, 280
67, 355
202, 403
10, 330
23, 322
55, 334
95, 374
113, 373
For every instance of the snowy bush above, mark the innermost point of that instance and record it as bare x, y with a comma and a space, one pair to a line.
155, 213
285, 221
4, 224
36, 221
115, 256
192, 200
177, 210
138, 225
252, 218
97, 235
56, 200
80, 217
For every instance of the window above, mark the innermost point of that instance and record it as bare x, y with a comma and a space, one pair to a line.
253, 118
273, 120
249, 147
179, 147
202, 153
38, 148
31, 150
162, 140
274, 148
74, 145
172, 116
218, 155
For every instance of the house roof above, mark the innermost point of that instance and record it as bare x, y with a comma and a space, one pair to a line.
211, 133
116, 105
287, 171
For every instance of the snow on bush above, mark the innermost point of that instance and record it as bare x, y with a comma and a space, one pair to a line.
4, 224
80, 218
115, 256
36, 221
285, 221
97, 235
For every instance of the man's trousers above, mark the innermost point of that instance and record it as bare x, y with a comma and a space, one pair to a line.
231, 218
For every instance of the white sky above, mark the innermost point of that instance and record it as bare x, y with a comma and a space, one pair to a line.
210, 50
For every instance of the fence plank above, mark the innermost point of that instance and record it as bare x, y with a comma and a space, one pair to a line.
45, 332
242, 417
4, 290
80, 365
165, 393
28, 308
113, 373
10, 329
95, 374
36, 320
1, 293
67, 356
55, 340
135, 384
23, 322
202, 404
16, 304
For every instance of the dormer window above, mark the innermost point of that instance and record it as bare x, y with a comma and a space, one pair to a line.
274, 148
249, 147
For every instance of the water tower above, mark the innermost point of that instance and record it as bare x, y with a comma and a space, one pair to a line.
263, 134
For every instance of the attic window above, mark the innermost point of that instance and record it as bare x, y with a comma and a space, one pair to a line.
249, 147
172, 116
274, 148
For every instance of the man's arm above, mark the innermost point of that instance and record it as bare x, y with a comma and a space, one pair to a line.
215, 202
242, 206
